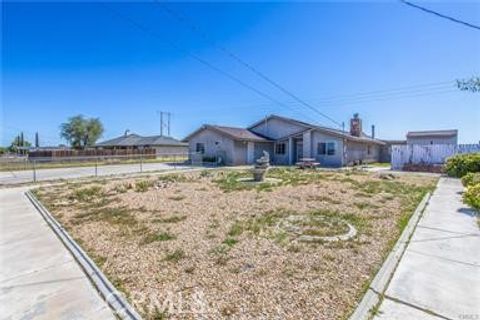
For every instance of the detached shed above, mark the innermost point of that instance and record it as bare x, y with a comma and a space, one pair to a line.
432, 137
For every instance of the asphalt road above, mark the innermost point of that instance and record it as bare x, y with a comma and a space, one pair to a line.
26, 176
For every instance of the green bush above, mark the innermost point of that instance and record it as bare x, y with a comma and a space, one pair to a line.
471, 178
143, 185
472, 196
461, 164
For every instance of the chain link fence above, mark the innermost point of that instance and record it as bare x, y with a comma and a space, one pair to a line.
15, 170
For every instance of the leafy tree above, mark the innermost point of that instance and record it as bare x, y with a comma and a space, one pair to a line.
472, 84
81, 132
19, 142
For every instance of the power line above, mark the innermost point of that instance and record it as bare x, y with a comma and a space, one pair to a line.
467, 24
383, 97
393, 95
241, 61
400, 92
196, 57
386, 98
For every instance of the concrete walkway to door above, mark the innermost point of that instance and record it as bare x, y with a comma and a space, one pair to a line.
39, 278
439, 275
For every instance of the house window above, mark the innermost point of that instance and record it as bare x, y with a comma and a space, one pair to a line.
331, 148
200, 148
280, 148
322, 148
369, 151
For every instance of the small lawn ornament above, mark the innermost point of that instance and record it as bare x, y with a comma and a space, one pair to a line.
261, 167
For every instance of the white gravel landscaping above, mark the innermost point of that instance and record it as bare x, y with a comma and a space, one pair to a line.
205, 244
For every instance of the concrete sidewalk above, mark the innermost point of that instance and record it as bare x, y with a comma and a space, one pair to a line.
39, 278
439, 275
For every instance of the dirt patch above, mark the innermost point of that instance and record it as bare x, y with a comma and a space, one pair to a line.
205, 243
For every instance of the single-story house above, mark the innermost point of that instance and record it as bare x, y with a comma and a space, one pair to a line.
161, 144
433, 137
286, 140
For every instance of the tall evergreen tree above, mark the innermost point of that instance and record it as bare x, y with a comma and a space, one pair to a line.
37, 140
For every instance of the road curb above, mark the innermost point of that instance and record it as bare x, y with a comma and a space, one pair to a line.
113, 297
379, 284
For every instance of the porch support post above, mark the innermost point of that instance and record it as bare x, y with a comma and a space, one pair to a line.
307, 145
250, 152
290, 151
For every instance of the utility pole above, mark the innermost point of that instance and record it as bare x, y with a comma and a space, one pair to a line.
168, 123
162, 123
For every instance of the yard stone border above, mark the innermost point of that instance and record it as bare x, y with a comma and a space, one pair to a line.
379, 284
112, 296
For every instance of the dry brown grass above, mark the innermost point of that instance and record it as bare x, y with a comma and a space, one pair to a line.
215, 242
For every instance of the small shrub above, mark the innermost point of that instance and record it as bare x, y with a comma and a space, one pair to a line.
87, 194
205, 173
120, 188
230, 242
171, 219
461, 164
471, 179
143, 185
154, 237
472, 196
175, 256
172, 178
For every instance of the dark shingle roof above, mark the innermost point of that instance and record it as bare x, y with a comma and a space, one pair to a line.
248, 135
133, 139
274, 116
234, 133
432, 133
344, 134
239, 133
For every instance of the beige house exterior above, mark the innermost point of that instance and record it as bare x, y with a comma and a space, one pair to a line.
287, 141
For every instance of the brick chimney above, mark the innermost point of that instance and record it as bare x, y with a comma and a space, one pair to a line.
356, 126
373, 131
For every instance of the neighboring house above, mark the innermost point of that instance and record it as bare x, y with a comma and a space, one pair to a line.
286, 140
161, 144
433, 137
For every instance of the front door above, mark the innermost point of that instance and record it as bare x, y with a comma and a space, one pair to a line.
299, 147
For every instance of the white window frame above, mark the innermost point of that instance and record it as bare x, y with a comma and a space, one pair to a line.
284, 148
197, 147
334, 143
318, 148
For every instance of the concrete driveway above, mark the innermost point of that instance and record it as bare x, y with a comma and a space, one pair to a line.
439, 275
39, 278
26, 176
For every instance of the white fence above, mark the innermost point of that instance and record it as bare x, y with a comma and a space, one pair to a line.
434, 154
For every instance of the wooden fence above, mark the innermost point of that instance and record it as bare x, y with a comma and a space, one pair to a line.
429, 155
70, 153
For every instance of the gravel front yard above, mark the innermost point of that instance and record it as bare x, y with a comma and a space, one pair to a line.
203, 245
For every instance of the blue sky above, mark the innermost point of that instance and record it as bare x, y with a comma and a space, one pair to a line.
61, 59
